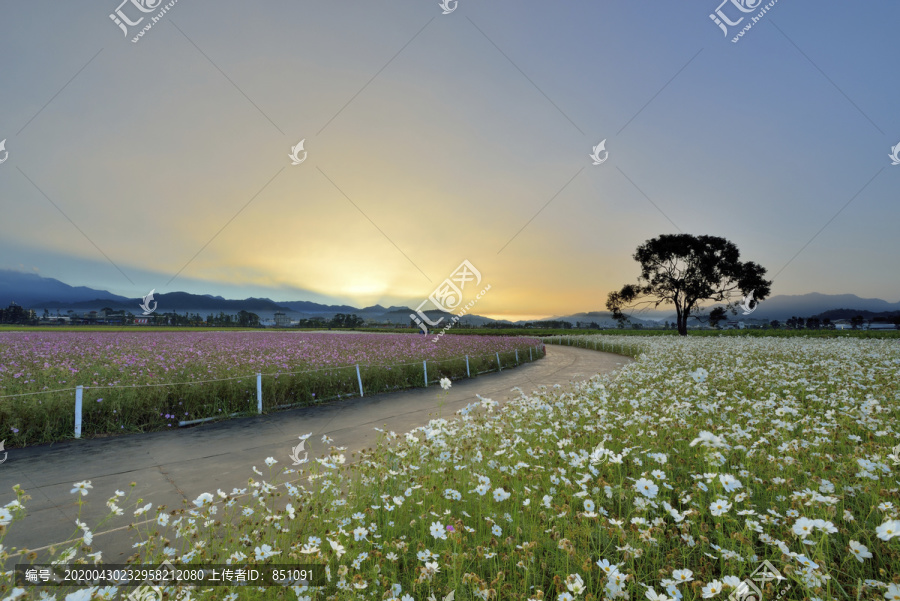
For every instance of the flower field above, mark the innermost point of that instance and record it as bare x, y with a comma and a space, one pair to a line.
675, 478
141, 381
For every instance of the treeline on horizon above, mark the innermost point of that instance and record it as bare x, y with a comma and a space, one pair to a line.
17, 315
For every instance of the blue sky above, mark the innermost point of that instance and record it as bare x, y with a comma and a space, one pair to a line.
436, 138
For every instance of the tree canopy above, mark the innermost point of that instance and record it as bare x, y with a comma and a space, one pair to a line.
684, 270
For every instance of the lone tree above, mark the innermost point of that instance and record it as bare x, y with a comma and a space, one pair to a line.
716, 316
683, 270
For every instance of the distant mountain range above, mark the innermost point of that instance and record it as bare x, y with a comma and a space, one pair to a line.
32, 291
35, 292
813, 304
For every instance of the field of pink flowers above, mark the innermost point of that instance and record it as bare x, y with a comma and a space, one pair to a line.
140, 381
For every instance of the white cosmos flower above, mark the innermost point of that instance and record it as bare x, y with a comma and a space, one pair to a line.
438, 531
719, 507
888, 530
803, 527
82, 487
729, 482
338, 547
15, 594
646, 487
859, 551
806, 561
654, 596
712, 589
204, 499
708, 439
83, 595
264, 552
575, 584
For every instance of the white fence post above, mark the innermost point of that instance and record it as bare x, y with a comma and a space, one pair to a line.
359, 377
78, 393
259, 392
425, 369
499, 365
517, 356
468, 374
530, 358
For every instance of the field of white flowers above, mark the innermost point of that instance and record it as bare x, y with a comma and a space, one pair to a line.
675, 478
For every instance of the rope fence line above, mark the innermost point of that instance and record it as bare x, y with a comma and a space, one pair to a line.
79, 390
248, 376
10, 396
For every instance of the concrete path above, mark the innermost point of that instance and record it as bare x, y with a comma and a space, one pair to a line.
176, 466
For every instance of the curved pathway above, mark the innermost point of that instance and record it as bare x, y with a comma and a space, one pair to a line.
174, 467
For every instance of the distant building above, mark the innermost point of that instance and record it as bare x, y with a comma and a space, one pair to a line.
282, 320
141, 321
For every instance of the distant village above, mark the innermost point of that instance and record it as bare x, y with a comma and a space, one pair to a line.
15, 314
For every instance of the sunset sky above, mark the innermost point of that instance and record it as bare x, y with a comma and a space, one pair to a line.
434, 139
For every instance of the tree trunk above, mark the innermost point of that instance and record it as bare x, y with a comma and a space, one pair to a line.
682, 323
